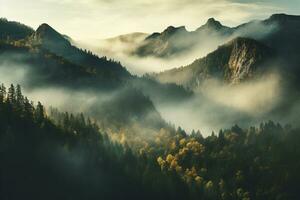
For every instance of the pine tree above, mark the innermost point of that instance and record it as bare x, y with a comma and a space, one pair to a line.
39, 113
2, 93
11, 95
19, 99
28, 109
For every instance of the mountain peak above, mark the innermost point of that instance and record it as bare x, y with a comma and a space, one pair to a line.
169, 31
211, 21
44, 26
281, 18
172, 29
211, 24
46, 34
45, 29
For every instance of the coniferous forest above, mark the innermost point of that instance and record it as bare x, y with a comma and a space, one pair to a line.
64, 156
185, 113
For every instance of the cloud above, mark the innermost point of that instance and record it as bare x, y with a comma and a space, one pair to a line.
216, 106
91, 19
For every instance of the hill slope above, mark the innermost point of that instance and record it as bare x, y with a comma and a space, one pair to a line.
233, 62
13, 30
48, 38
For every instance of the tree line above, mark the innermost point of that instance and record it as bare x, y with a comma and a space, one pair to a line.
61, 155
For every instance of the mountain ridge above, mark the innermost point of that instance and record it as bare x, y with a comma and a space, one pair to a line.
232, 62
13, 30
164, 45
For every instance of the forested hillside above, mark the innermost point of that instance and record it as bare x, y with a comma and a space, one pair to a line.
64, 156
45, 61
13, 30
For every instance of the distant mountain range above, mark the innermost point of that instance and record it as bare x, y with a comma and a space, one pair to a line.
174, 41
49, 60
276, 47
257, 43
248, 52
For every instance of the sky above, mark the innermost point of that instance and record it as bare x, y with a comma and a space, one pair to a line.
86, 20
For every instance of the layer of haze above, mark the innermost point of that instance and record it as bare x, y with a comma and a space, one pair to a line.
214, 106
121, 48
217, 106
87, 20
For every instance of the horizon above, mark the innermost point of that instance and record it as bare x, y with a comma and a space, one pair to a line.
95, 17
87, 43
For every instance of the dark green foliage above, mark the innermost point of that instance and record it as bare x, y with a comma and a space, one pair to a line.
48, 69
66, 157
13, 30
70, 159
126, 107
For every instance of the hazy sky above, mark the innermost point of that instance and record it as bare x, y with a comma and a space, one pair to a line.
94, 19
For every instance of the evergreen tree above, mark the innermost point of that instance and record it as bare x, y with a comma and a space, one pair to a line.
11, 94
19, 99
2, 93
39, 113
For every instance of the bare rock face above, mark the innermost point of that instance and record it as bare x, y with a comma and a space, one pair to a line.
245, 57
238, 60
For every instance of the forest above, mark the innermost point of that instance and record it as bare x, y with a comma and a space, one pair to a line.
47, 154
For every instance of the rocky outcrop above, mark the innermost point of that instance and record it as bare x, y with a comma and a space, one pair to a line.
245, 57
238, 60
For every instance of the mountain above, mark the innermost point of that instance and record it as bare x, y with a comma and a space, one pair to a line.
279, 31
213, 26
48, 69
13, 30
286, 36
233, 62
164, 44
176, 40
46, 60
47, 38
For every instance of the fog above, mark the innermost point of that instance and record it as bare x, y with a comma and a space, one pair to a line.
213, 106
199, 45
217, 106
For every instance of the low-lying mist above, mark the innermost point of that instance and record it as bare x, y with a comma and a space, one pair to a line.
213, 106
217, 106
203, 44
